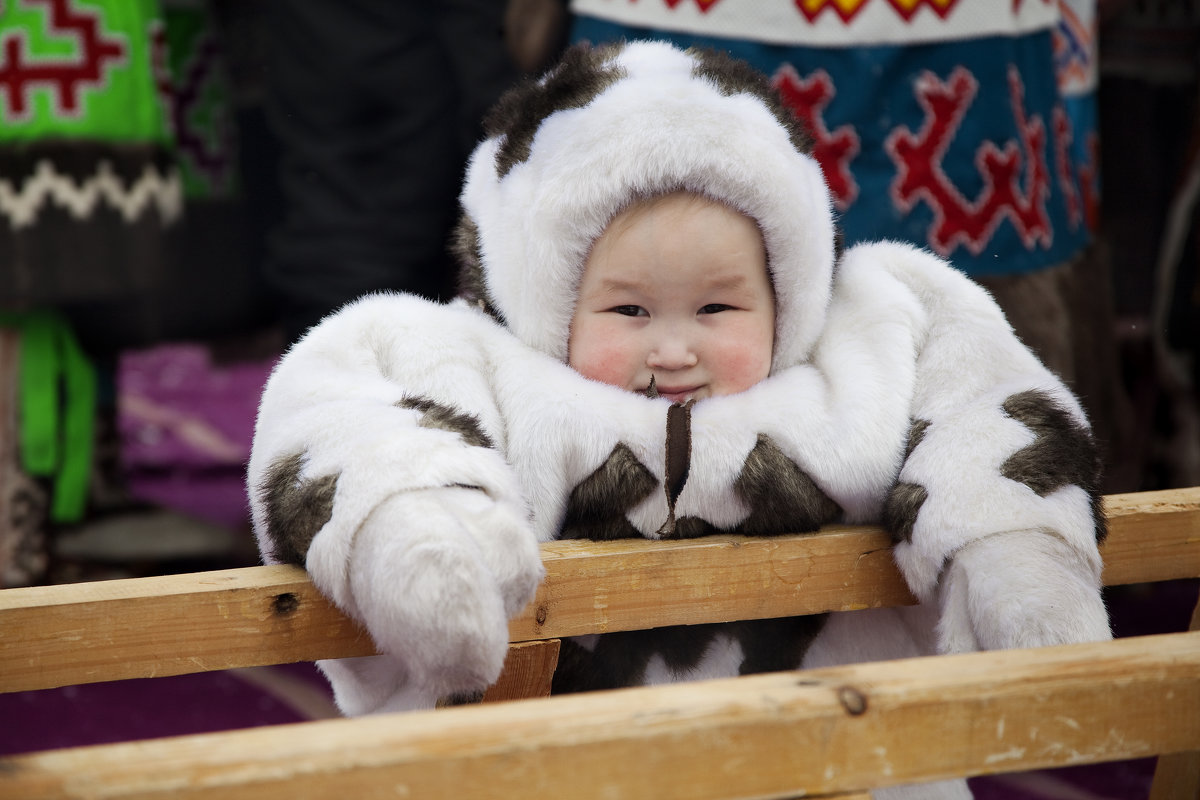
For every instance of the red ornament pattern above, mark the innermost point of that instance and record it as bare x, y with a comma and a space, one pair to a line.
704, 5
66, 78
1077, 183
848, 9
1062, 161
1016, 4
1088, 188
807, 99
920, 176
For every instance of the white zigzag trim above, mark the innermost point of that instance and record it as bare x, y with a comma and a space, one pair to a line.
23, 205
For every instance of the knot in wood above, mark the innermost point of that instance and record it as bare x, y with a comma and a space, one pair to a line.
854, 701
285, 604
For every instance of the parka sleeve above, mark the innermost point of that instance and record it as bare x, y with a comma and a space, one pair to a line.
390, 395
997, 443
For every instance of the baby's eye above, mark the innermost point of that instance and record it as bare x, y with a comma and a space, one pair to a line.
715, 308
629, 311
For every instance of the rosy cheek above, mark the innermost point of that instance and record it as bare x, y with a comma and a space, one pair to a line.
602, 357
604, 366
741, 366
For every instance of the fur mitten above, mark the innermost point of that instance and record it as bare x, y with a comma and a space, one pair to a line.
434, 576
1024, 588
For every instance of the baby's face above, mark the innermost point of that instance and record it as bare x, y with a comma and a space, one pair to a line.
676, 288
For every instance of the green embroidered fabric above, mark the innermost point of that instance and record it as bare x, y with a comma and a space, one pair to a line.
84, 69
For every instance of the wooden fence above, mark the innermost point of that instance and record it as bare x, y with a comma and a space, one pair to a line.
829, 732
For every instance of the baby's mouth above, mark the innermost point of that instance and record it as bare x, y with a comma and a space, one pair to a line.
679, 395
676, 394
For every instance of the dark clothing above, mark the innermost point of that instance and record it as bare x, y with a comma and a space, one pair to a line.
376, 104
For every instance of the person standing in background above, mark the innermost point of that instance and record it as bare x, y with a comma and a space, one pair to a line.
376, 104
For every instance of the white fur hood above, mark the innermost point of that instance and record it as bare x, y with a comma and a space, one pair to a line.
566, 153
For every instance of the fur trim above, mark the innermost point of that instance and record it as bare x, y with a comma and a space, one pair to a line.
571, 150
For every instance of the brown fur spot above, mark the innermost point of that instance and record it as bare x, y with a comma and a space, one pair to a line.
900, 510
733, 76
460, 699
1062, 453
782, 498
580, 76
904, 500
441, 417
774, 645
296, 508
620, 659
597, 506
693, 528
916, 434
464, 246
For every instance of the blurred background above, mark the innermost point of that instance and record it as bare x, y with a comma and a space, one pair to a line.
186, 186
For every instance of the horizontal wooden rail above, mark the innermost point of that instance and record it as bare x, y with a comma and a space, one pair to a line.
80, 633
831, 730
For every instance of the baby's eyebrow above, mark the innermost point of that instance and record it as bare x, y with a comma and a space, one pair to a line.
733, 282
610, 285
726, 282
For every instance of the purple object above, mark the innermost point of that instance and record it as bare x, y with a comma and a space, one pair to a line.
122, 711
185, 427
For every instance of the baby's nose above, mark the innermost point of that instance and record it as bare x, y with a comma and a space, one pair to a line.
672, 351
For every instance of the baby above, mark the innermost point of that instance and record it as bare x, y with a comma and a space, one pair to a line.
675, 294
658, 336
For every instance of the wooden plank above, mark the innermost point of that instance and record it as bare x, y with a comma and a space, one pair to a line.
55, 636
636, 584
528, 672
842, 729
1153, 536
1177, 775
171, 625
598, 587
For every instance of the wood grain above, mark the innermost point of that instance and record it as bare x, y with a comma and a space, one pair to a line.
62, 635
842, 729
171, 625
528, 672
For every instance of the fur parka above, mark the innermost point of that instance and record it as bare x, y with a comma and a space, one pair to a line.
412, 455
